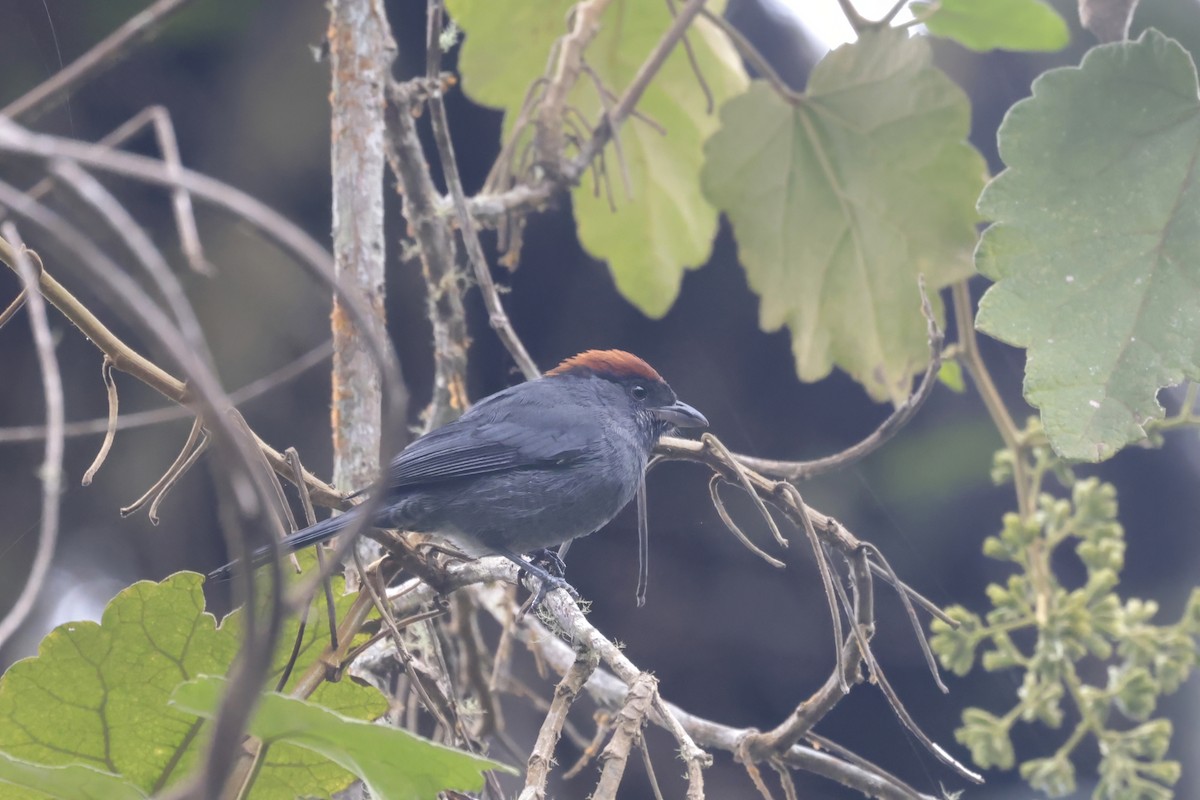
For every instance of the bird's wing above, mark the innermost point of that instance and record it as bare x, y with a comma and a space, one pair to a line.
492, 440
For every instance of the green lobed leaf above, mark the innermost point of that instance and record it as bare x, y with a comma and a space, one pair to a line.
995, 24
662, 224
1095, 244
393, 763
96, 695
839, 201
70, 782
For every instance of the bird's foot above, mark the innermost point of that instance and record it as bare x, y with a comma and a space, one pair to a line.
545, 585
547, 568
549, 560
536, 567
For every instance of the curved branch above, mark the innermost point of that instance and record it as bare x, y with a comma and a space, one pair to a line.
903, 413
51, 471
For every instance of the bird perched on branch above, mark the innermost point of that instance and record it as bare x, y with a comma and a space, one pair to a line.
530, 467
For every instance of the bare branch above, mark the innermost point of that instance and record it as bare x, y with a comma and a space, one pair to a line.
294, 241
361, 51
610, 690
542, 757
903, 413
251, 391
159, 121
438, 254
626, 733
16, 257
12, 308
141, 246
551, 112
104, 54
110, 431
491, 298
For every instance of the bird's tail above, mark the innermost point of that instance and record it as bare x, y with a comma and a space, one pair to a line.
314, 534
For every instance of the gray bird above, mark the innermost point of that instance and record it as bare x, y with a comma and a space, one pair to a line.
528, 468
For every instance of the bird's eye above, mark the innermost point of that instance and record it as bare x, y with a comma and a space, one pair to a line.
638, 392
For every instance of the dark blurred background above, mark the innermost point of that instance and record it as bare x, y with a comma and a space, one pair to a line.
729, 637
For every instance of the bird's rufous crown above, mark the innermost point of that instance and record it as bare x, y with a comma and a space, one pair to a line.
608, 364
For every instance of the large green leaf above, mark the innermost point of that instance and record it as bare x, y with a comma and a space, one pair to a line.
995, 24
840, 200
662, 225
71, 782
1096, 247
96, 695
393, 763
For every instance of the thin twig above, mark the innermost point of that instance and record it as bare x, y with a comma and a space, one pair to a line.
159, 121
744, 480
466, 224
618, 150
970, 357
118, 44
714, 493
648, 765
757, 60
918, 630
473, 659
604, 722
755, 775
785, 779
709, 104
643, 544
139, 243
675, 449
52, 455
442, 710
110, 432
610, 690
138, 419
11, 310
307, 252
900, 416
273, 225
826, 572
637, 87
181, 463
310, 518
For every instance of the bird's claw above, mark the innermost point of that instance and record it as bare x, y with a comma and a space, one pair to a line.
550, 561
545, 585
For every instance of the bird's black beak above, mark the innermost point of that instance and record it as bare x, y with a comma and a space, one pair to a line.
681, 415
